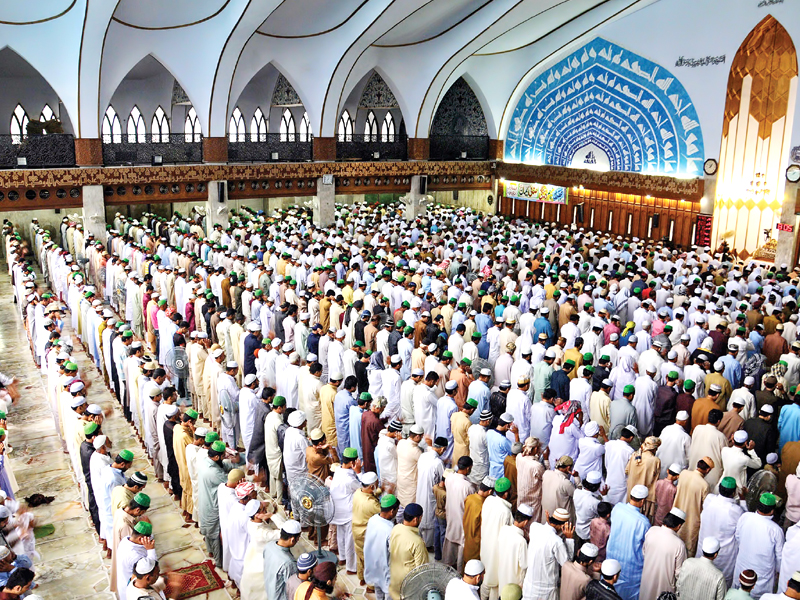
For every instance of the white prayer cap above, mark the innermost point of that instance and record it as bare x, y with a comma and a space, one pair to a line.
767, 409
144, 566
288, 347
217, 353
337, 376
507, 417
594, 477
525, 510
749, 380
544, 310
677, 512
76, 387
4, 512
395, 358
740, 437
591, 429
417, 373
416, 429
340, 334
718, 366
223, 315
249, 379
99, 442
589, 550
94, 409
304, 316
171, 410
368, 478
62, 356
431, 347
202, 335
610, 567
640, 492
252, 507
232, 364
4, 551
311, 357
710, 545
550, 353
291, 526
201, 432
253, 326
682, 416
297, 418
715, 387
685, 337
486, 372
613, 337
772, 458
675, 469
474, 568
276, 342
561, 514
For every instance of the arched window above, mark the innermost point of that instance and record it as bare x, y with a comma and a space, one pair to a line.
287, 126
191, 126
305, 129
137, 132
258, 127
19, 124
387, 129
345, 127
47, 114
112, 130
237, 132
371, 128
160, 126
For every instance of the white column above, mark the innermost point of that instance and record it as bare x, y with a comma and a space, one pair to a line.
324, 204
784, 253
216, 206
94, 212
415, 208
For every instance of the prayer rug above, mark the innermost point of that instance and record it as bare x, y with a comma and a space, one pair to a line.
199, 579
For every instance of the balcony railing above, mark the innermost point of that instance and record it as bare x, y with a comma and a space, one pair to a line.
459, 147
372, 147
270, 147
50, 150
141, 149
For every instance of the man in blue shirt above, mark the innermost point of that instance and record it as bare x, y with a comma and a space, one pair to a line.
499, 445
733, 369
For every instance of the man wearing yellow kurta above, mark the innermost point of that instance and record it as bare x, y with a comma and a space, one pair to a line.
459, 426
365, 506
406, 549
182, 436
327, 393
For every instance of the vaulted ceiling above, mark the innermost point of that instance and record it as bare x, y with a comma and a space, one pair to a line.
324, 48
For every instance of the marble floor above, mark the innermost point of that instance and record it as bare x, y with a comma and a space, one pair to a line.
72, 564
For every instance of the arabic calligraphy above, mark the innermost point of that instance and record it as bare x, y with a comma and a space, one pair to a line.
700, 62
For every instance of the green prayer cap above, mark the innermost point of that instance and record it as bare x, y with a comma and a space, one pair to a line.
358, 344
462, 305
587, 305
447, 354
502, 485
126, 455
127, 334
2, 415
476, 335
466, 361
90, 428
472, 402
605, 358
142, 499
365, 396
688, 384
218, 446
588, 357
768, 499
408, 330
211, 436
672, 375
258, 293
569, 362
783, 362
588, 369
350, 453
144, 528
119, 323
278, 401
481, 292
71, 366
162, 302
388, 501
628, 389
728, 483
192, 413
401, 324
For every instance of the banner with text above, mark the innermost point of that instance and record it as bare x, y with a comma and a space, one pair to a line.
535, 192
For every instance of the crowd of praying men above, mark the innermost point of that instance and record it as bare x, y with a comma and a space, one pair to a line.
553, 412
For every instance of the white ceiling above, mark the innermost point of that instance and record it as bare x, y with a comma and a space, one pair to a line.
214, 48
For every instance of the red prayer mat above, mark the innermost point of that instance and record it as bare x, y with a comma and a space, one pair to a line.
199, 579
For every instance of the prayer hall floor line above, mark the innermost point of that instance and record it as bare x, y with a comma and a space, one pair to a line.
72, 564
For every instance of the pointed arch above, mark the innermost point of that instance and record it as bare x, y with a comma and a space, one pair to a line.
287, 128
159, 128
236, 128
460, 112
258, 126
305, 129
111, 129
191, 126
387, 128
19, 124
370, 128
47, 114
345, 131
137, 131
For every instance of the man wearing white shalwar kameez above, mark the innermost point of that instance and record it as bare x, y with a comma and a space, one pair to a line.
430, 470
495, 513
513, 562
675, 444
718, 519
547, 553
343, 486
760, 542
